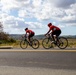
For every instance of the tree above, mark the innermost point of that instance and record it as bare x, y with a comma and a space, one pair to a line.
3, 35
1, 27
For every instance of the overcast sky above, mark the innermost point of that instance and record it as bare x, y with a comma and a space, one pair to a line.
16, 15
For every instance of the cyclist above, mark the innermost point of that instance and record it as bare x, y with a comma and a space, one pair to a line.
29, 34
56, 31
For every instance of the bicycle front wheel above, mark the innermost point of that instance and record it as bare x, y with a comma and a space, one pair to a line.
46, 43
35, 43
63, 43
23, 44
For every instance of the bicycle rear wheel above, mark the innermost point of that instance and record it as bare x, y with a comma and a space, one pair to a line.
23, 44
46, 43
35, 43
63, 43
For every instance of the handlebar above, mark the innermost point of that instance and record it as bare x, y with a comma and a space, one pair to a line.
48, 35
23, 36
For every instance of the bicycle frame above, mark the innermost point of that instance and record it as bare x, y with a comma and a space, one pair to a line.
50, 37
27, 41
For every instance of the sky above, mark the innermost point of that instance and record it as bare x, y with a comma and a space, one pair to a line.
16, 15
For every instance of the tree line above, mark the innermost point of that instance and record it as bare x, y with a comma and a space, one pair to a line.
4, 37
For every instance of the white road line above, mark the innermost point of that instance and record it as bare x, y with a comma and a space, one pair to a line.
37, 50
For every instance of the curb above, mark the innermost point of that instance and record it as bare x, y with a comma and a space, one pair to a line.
6, 47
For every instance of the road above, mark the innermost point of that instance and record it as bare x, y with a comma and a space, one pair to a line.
35, 62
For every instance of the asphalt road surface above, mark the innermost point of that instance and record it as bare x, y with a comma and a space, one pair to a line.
37, 62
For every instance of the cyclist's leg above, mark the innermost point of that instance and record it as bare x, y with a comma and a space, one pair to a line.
53, 37
30, 36
58, 32
27, 37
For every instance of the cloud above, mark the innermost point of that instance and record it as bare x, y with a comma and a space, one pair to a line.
69, 15
70, 24
63, 11
11, 21
35, 25
14, 23
62, 3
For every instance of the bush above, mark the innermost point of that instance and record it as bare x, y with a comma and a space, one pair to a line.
11, 40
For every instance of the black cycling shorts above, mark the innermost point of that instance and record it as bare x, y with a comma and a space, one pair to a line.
31, 35
56, 32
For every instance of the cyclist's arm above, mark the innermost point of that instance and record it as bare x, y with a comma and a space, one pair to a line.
25, 35
48, 32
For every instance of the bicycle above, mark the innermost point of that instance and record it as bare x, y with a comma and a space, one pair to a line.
47, 42
24, 43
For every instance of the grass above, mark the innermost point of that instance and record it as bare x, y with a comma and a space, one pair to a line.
71, 43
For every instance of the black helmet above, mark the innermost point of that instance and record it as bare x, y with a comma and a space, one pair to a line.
26, 28
49, 24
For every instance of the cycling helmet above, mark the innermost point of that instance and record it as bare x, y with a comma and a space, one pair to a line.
49, 24
26, 28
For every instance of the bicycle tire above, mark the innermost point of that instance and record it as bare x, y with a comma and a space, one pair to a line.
35, 44
63, 43
23, 44
46, 43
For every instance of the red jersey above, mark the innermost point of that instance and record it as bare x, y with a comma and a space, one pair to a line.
53, 28
29, 31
